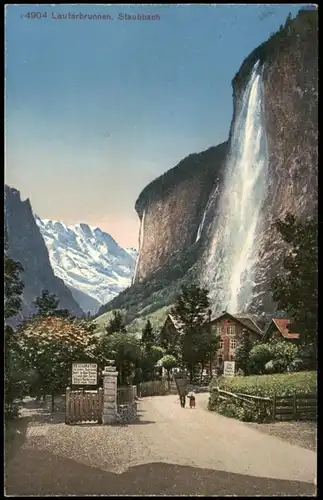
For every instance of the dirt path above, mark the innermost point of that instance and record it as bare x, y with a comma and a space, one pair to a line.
170, 451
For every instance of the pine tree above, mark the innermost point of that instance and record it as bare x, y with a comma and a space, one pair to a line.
242, 354
190, 311
47, 305
116, 324
14, 383
13, 288
148, 337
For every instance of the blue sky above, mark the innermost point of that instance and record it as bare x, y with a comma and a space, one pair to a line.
95, 110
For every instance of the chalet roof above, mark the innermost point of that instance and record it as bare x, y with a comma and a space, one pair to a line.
282, 327
244, 319
250, 320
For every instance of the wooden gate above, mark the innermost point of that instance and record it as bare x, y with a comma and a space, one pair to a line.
84, 406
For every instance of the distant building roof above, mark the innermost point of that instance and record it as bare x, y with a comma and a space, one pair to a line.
282, 327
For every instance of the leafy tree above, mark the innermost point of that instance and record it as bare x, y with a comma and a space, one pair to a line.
148, 361
295, 286
259, 355
190, 311
116, 324
168, 362
50, 345
15, 375
242, 354
284, 355
148, 337
47, 305
124, 349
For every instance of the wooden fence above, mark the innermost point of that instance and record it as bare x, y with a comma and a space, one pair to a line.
126, 395
83, 406
295, 407
154, 388
290, 407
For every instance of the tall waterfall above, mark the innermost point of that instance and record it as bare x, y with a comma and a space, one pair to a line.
229, 267
141, 238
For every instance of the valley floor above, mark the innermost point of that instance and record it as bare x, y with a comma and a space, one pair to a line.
169, 451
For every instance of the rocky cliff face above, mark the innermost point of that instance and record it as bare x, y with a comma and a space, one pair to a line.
172, 207
26, 245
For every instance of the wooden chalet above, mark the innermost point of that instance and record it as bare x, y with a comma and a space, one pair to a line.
230, 328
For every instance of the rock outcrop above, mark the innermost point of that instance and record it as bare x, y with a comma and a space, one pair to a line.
171, 209
26, 245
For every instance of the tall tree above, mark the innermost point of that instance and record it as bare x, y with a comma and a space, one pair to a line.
148, 337
168, 362
243, 349
15, 375
190, 311
13, 288
296, 284
124, 349
116, 324
47, 305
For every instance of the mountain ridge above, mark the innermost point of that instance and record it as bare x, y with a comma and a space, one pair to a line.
89, 261
26, 245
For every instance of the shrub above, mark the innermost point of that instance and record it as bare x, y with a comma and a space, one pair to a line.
281, 354
259, 355
258, 385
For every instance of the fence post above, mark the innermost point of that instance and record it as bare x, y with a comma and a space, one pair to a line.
67, 405
294, 406
109, 414
274, 407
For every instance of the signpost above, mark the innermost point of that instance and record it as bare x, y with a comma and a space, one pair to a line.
84, 374
229, 368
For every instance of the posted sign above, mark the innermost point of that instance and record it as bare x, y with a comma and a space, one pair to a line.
229, 368
84, 374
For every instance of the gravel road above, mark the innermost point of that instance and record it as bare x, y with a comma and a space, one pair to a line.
170, 451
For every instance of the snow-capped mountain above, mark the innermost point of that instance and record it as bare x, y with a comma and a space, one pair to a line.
89, 261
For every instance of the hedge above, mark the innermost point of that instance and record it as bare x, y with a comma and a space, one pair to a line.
258, 385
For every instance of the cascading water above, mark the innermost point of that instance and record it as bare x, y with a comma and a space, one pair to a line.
141, 239
201, 225
229, 272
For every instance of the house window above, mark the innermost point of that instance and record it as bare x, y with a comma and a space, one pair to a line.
218, 330
233, 343
232, 357
221, 344
231, 330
